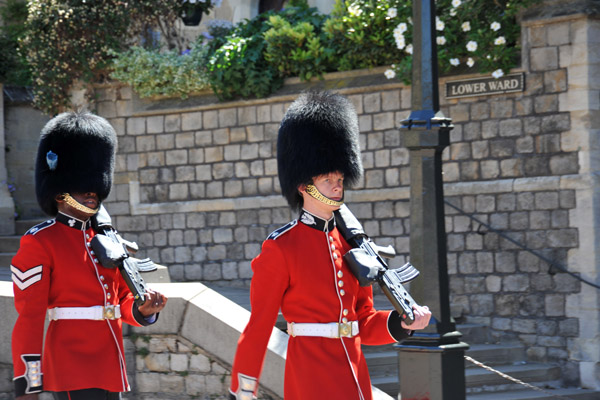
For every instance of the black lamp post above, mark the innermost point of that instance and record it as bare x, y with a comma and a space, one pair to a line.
431, 362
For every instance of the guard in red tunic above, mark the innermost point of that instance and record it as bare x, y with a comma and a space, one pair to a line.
301, 270
56, 273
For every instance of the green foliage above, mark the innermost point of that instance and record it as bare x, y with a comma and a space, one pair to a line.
152, 73
237, 67
296, 50
13, 66
70, 40
472, 35
362, 32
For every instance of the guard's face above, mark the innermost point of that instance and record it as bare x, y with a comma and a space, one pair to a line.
89, 200
331, 185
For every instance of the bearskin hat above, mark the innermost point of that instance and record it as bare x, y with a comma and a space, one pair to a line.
76, 154
318, 135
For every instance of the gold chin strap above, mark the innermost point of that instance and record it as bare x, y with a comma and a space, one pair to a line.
314, 192
77, 205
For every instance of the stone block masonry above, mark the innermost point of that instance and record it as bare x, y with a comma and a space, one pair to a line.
170, 367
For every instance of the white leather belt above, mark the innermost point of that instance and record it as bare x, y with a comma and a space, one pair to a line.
329, 330
94, 312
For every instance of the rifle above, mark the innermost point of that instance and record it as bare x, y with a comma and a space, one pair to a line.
368, 266
114, 252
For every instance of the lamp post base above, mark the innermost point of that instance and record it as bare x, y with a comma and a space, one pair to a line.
430, 369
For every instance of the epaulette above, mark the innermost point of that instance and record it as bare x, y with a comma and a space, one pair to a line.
280, 231
40, 227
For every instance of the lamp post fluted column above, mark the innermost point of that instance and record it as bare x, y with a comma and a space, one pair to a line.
431, 362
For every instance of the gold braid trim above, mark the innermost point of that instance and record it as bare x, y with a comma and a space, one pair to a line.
314, 192
77, 205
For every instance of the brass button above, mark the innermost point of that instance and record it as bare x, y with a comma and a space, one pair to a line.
335, 256
105, 286
344, 320
102, 277
345, 312
333, 247
108, 295
342, 292
341, 283
330, 238
340, 274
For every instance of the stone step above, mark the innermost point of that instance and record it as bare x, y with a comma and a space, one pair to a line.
5, 259
5, 274
388, 384
383, 360
527, 372
23, 225
9, 244
474, 333
530, 394
495, 354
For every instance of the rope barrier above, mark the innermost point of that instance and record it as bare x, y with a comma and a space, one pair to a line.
515, 380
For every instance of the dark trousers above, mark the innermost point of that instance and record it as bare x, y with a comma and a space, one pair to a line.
87, 394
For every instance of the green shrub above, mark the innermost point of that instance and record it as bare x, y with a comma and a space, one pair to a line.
70, 40
152, 73
296, 50
13, 66
237, 67
362, 32
472, 36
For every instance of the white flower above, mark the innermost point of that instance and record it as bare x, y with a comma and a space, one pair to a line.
472, 45
392, 12
439, 24
390, 74
354, 10
454, 61
455, 3
453, 12
441, 40
497, 73
409, 49
466, 26
499, 40
470, 62
495, 26
400, 41
401, 28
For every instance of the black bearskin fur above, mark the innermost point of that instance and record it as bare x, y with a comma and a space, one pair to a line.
318, 135
85, 145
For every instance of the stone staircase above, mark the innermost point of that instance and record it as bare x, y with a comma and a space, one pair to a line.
10, 244
482, 384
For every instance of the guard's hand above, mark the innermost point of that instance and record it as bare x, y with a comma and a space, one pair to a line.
422, 317
155, 302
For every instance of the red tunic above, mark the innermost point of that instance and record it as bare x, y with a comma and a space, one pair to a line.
301, 271
54, 267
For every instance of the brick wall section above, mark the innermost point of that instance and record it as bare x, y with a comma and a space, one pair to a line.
188, 178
